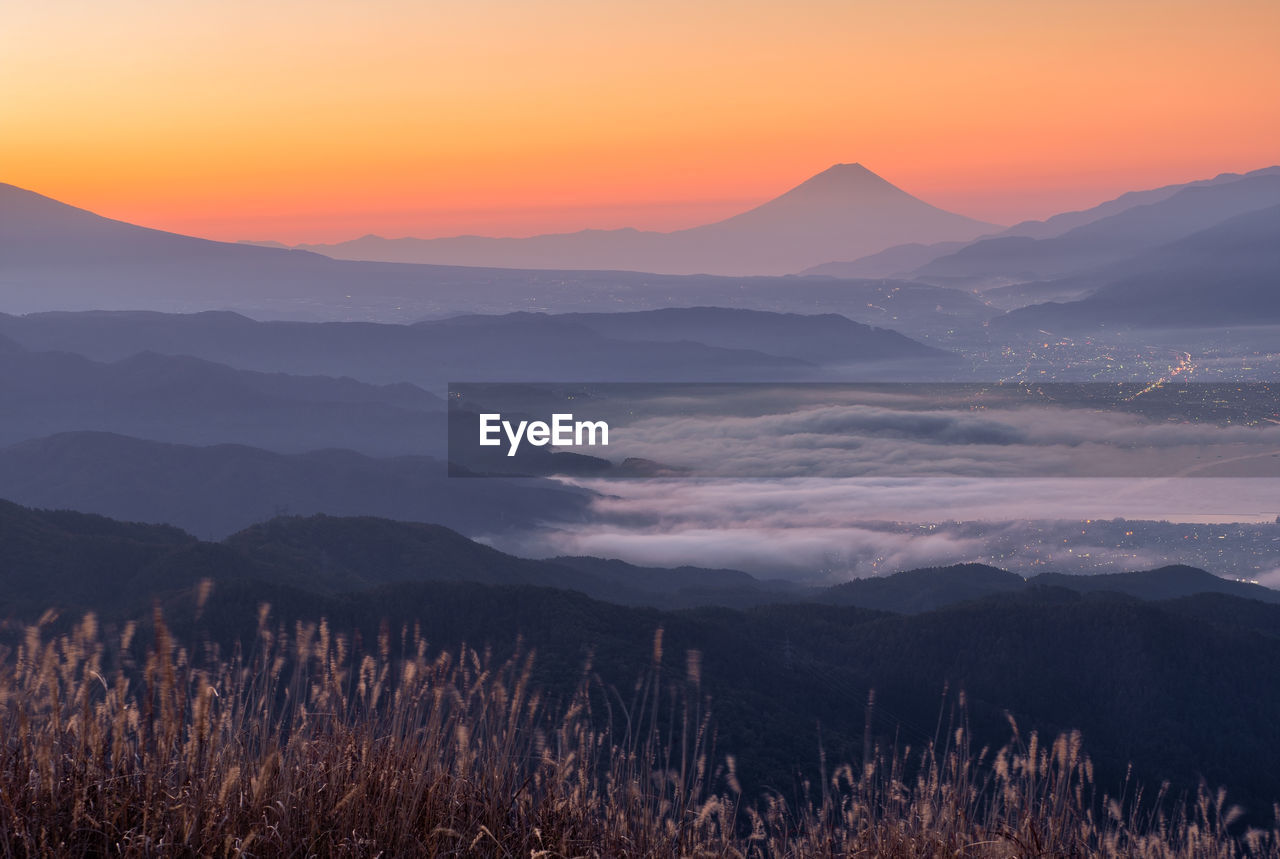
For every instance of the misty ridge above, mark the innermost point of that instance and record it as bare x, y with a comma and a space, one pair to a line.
332, 555
799, 529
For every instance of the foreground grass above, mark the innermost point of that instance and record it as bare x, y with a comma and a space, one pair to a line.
308, 746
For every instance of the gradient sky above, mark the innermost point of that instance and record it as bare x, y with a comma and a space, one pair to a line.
316, 121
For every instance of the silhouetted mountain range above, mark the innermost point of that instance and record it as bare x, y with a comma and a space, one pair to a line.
1172, 582
910, 260
1107, 240
1066, 221
700, 343
328, 554
217, 490
183, 399
68, 257
1178, 688
937, 587
820, 339
897, 261
1225, 275
57, 257
842, 212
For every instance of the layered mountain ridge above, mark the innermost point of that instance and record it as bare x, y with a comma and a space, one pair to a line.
845, 209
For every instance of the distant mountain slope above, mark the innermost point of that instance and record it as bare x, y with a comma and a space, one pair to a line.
821, 339
59, 256
692, 584
901, 260
56, 257
933, 588
844, 211
1171, 582
1067, 221
1110, 239
182, 399
320, 552
897, 261
1225, 275
328, 554
523, 346
217, 490
676, 344
925, 589
62, 559
518, 348
50, 558
37, 230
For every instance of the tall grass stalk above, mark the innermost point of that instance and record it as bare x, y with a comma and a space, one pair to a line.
306, 745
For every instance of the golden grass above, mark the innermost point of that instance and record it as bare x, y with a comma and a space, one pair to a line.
308, 747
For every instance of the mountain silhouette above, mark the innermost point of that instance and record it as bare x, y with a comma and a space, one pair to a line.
1106, 240
39, 231
931, 588
218, 489
1067, 221
675, 343
902, 260
844, 211
819, 338
56, 257
189, 400
1225, 275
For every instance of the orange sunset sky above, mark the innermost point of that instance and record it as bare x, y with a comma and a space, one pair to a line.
321, 121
